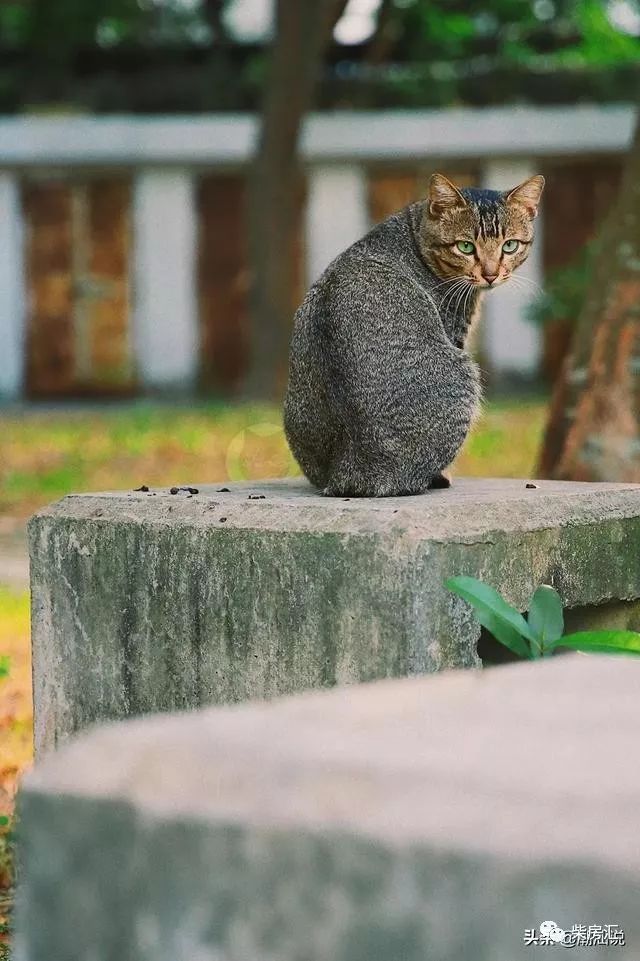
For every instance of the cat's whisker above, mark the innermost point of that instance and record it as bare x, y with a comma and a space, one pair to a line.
460, 282
519, 286
451, 298
468, 289
531, 292
450, 294
523, 281
443, 283
447, 295
467, 297
461, 298
524, 277
459, 295
472, 290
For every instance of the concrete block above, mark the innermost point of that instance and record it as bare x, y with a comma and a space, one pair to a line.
147, 602
434, 818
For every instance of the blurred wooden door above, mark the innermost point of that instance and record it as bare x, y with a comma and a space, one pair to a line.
392, 189
224, 280
78, 251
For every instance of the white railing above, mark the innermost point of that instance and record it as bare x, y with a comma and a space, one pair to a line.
344, 136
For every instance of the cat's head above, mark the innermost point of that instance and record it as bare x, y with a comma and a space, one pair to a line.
478, 235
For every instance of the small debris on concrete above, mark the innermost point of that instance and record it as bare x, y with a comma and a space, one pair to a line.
223, 490
174, 490
256, 497
530, 486
144, 489
222, 520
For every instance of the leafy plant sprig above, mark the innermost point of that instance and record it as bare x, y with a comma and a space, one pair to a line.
541, 633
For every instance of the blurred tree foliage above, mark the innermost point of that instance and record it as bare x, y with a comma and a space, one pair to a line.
178, 54
575, 32
49, 49
440, 52
565, 288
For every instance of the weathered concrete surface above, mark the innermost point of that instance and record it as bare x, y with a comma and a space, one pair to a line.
148, 601
431, 819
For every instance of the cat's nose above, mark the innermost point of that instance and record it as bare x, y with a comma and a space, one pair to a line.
490, 278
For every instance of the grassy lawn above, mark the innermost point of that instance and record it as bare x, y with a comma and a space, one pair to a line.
47, 455
16, 730
505, 441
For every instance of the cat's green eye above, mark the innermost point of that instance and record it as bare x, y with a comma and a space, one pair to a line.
510, 246
465, 246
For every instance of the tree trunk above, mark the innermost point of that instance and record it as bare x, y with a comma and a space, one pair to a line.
214, 15
380, 47
593, 431
303, 30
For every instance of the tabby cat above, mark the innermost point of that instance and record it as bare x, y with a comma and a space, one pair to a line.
381, 391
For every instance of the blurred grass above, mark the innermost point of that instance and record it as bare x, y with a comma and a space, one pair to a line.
15, 688
46, 455
505, 440
16, 733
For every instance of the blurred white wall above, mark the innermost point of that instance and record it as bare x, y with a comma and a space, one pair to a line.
165, 318
12, 288
337, 213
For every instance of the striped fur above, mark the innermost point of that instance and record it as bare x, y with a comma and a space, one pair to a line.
381, 392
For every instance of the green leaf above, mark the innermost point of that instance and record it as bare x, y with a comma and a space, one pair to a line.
503, 621
4, 665
545, 617
601, 642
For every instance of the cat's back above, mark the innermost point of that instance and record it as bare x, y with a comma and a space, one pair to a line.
362, 276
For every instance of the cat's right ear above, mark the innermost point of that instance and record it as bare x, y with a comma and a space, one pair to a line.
443, 195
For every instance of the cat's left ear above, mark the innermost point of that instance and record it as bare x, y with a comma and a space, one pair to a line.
443, 195
527, 195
